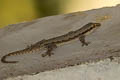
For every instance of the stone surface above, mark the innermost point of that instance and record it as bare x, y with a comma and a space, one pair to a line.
102, 70
104, 41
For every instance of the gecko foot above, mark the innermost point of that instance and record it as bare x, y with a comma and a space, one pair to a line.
50, 48
85, 44
82, 40
49, 54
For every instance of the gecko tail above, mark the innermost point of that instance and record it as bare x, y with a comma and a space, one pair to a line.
5, 61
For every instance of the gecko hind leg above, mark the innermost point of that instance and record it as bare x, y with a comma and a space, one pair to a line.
82, 40
50, 47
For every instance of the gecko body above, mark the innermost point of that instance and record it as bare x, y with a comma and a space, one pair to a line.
51, 44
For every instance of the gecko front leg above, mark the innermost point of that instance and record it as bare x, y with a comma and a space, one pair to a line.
50, 47
82, 40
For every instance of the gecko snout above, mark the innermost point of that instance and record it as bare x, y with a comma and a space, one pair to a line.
97, 24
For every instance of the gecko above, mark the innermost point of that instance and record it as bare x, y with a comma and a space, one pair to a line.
52, 43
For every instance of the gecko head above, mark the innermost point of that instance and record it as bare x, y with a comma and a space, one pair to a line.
96, 24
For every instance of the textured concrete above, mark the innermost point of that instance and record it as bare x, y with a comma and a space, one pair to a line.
105, 42
102, 70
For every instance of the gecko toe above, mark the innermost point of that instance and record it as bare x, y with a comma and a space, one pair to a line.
49, 54
85, 44
43, 55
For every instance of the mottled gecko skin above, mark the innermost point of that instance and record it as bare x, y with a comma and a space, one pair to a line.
51, 44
